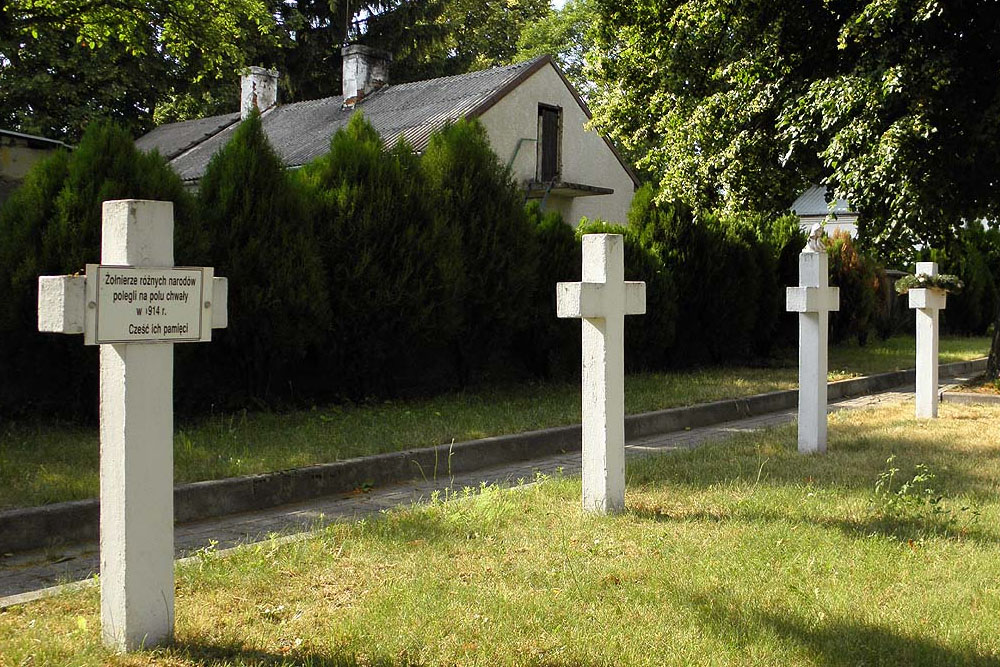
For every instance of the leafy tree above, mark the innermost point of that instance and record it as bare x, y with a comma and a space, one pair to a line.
65, 63
261, 238
53, 86
205, 35
894, 104
567, 34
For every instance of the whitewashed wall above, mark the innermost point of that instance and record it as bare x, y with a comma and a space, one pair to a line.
586, 158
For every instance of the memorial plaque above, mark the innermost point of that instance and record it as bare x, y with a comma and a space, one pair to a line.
148, 305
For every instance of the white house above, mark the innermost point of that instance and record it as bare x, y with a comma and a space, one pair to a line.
535, 120
18, 154
812, 207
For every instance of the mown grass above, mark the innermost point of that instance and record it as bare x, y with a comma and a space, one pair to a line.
44, 463
733, 554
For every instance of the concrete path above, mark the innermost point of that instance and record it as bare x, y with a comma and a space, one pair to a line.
30, 575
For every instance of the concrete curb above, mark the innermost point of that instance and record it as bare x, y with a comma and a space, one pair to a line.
969, 398
23, 529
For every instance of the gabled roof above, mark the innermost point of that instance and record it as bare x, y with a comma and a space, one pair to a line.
812, 203
33, 141
301, 131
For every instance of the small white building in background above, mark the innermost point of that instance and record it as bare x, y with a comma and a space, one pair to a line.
812, 207
535, 120
19, 152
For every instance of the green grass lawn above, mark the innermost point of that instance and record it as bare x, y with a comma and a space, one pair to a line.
737, 553
44, 463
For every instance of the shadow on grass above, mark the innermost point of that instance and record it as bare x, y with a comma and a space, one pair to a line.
226, 655
854, 461
212, 655
901, 529
834, 642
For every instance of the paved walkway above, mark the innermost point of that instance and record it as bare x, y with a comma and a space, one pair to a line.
24, 576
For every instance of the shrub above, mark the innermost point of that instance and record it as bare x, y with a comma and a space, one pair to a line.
549, 345
972, 311
855, 274
490, 283
261, 239
384, 258
52, 225
714, 275
649, 338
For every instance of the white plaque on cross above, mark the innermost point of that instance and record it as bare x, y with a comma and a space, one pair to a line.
813, 300
146, 302
928, 302
602, 300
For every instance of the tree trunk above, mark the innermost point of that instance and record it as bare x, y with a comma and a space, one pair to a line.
993, 365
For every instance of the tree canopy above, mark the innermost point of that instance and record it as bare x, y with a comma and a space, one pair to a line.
66, 62
737, 103
568, 35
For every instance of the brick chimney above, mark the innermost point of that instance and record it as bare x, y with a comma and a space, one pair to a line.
365, 70
258, 89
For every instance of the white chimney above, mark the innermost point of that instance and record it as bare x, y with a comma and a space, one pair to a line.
258, 89
365, 71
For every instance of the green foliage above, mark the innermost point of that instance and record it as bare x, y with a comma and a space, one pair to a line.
973, 307
53, 86
261, 239
385, 258
549, 345
740, 105
854, 272
913, 502
567, 34
66, 63
724, 280
205, 35
649, 338
52, 225
490, 283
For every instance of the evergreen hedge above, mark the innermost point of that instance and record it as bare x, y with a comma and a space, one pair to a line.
261, 238
382, 255
375, 271
973, 310
490, 279
52, 225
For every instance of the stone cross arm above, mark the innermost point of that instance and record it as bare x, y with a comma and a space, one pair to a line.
62, 304
812, 299
599, 300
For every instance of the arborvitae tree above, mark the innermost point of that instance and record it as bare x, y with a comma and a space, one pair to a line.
52, 225
474, 195
261, 239
548, 345
384, 258
854, 273
649, 338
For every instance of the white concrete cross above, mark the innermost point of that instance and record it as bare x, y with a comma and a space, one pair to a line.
813, 300
603, 300
132, 304
928, 302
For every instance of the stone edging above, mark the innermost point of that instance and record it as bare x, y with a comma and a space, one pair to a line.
23, 529
969, 398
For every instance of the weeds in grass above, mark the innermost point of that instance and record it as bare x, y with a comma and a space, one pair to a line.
915, 503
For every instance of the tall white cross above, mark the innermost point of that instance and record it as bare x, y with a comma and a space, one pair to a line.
603, 300
813, 300
134, 305
928, 302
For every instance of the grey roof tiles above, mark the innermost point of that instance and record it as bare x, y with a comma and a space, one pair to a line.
301, 131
